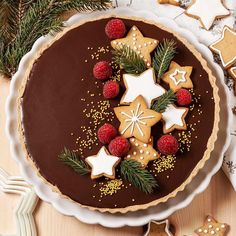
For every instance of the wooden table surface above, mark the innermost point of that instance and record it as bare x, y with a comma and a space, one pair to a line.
219, 200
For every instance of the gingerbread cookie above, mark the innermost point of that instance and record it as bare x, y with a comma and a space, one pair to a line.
158, 228
212, 227
178, 77
103, 164
135, 85
174, 118
172, 2
136, 119
136, 41
232, 72
225, 47
207, 11
142, 152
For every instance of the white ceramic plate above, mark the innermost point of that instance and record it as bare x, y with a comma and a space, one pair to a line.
199, 183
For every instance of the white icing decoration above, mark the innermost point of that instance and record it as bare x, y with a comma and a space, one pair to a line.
233, 72
102, 163
134, 119
167, 226
173, 116
182, 79
207, 11
144, 85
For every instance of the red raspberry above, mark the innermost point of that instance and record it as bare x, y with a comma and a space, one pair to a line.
115, 29
119, 146
184, 97
106, 133
102, 70
168, 145
111, 89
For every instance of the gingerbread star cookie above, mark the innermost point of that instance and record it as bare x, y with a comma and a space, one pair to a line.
144, 84
172, 2
174, 118
232, 72
212, 227
178, 77
103, 164
136, 119
225, 47
142, 152
141, 45
207, 11
158, 228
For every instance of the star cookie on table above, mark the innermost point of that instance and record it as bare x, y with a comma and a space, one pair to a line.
103, 164
174, 118
232, 72
178, 77
158, 228
142, 152
136, 119
141, 45
207, 11
172, 2
212, 227
225, 47
144, 85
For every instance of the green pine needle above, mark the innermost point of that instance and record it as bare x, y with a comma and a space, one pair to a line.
22, 22
71, 159
163, 56
142, 179
129, 60
164, 101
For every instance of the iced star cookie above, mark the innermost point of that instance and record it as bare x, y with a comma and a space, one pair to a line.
172, 2
212, 227
143, 46
225, 47
207, 11
134, 87
178, 77
158, 228
232, 72
136, 119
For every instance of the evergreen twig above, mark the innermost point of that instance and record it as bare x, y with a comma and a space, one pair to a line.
163, 101
163, 56
129, 60
142, 179
71, 159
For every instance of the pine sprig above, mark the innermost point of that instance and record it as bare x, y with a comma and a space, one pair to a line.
129, 60
142, 179
164, 101
163, 56
71, 159
22, 22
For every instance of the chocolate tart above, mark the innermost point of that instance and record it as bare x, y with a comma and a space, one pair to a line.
55, 103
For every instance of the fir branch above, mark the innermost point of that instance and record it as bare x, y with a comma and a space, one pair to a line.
142, 179
71, 159
163, 56
163, 101
129, 60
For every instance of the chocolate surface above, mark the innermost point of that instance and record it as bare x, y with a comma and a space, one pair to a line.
54, 113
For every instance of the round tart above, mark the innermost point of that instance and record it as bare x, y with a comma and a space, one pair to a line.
62, 107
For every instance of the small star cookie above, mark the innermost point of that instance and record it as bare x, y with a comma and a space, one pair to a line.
103, 164
232, 72
158, 228
178, 77
172, 2
142, 152
212, 227
225, 47
144, 84
136, 119
174, 118
207, 11
141, 45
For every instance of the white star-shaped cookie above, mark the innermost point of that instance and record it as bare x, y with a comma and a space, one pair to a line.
103, 164
144, 85
174, 118
207, 11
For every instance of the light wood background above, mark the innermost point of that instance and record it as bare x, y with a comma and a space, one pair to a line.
219, 200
